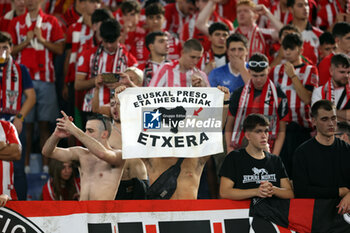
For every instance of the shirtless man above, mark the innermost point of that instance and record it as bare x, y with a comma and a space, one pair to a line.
100, 165
134, 178
191, 168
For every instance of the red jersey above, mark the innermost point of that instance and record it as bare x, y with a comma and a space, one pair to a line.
169, 75
80, 37
104, 62
8, 134
327, 14
227, 10
71, 16
37, 58
257, 39
310, 36
308, 76
141, 53
323, 69
5, 6
175, 19
189, 30
6, 20
48, 192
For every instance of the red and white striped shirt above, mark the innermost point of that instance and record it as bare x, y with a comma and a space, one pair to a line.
80, 36
8, 133
327, 13
308, 76
257, 39
149, 69
107, 63
169, 75
141, 53
38, 59
175, 19
48, 192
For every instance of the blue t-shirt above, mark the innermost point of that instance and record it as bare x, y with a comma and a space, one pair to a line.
26, 83
223, 77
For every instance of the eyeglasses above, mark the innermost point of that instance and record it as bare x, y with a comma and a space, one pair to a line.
262, 64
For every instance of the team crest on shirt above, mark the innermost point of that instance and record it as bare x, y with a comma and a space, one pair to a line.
314, 79
12, 96
259, 175
80, 61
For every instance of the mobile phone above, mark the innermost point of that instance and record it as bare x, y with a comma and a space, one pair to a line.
110, 77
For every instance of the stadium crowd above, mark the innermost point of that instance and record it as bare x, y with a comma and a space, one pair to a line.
283, 67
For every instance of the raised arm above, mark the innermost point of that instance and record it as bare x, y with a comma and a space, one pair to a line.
113, 157
202, 21
51, 150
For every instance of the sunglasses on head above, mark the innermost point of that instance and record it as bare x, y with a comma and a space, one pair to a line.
102, 118
262, 64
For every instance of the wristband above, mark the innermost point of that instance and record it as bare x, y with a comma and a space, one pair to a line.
226, 102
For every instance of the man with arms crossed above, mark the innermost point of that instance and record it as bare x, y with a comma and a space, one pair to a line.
100, 166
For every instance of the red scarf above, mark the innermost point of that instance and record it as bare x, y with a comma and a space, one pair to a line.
11, 88
268, 106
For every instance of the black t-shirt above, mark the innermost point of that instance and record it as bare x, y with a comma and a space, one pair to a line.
247, 172
282, 109
319, 170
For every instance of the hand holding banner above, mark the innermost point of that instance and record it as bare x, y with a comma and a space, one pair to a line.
171, 122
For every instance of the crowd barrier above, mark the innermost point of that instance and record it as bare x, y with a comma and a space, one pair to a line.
144, 216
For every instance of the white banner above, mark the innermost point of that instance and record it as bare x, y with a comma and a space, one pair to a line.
171, 122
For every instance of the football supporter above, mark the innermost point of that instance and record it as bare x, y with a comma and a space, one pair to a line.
323, 152
18, 8
327, 45
216, 55
197, 27
10, 150
80, 36
259, 95
155, 20
157, 45
300, 10
62, 184
177, 14
251, 171
37, 37
277, 49
297, 80
101, 166
341, 34
247, 13
337, 89
74, 12
134, 181
131, 32
328, 13
109, 57
182, 72
15, 82
234, 74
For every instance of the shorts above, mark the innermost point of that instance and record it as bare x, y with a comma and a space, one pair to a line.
46, 107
